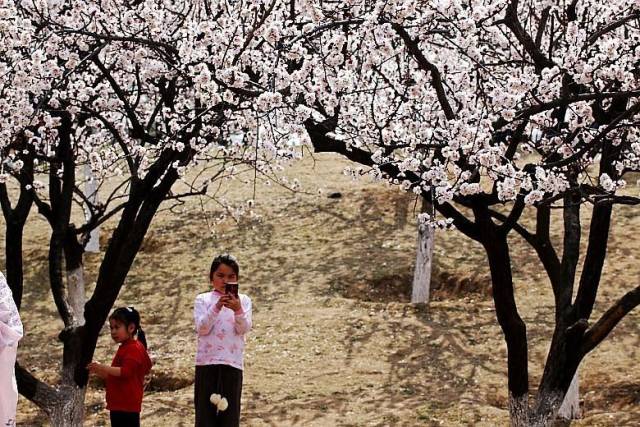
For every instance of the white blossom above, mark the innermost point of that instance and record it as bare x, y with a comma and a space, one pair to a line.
247, 97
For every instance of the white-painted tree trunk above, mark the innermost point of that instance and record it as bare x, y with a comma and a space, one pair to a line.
91, 191
424, 256
570, 409
519, 411
544, 413
64, 403
76, 294
69, 412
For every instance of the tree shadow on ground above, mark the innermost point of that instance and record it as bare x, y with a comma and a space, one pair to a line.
363, 257
381, 274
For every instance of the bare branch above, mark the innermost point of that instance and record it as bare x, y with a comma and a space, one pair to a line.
609, 320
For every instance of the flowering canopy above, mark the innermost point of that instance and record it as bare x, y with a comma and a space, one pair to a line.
490, 100
471, 98
142, 86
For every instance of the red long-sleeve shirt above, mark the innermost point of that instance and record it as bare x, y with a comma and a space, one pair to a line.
124, 393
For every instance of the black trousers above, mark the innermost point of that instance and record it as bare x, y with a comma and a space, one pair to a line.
221, 379
124, 419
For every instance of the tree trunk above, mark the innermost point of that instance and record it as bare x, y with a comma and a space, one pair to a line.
76, 294
118, 258
73, 255
70, 409
91, 191
521, 416
15, 219
14, 261
546, 411
519, 410
64, 405
424, 258
570, 409
512, 325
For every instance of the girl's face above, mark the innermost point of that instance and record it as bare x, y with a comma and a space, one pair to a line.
119, 331
223, 274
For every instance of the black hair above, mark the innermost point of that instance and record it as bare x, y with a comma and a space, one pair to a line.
225, 259
130, 316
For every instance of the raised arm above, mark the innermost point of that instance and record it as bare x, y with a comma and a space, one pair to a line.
243, 316
204, 316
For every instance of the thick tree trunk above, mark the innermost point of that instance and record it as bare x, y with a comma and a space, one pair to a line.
424, 257
560, 372
512, 325
548, 403
73, 254
570, 409
70, 409
522, 416
519, 410
63, 404
14, 261
76, 294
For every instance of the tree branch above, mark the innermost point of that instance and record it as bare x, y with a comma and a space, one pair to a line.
513, 327
563, 290
106, 37
595, 142
541, 27
138, 130
252, 32
595, 36
594, 260
513, 23
116, 135
425, 65
511, 221
609, 320
38, 392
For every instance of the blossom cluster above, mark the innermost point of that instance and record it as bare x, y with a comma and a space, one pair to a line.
126, 84
463, 105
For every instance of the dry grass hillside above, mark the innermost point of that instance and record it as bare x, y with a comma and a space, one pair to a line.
335, 342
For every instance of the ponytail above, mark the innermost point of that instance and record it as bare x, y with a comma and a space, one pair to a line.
130, 316
142, 337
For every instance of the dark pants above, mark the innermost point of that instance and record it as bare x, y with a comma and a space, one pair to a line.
124, 419
225, 381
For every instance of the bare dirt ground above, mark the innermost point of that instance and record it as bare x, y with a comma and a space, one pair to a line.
335, 341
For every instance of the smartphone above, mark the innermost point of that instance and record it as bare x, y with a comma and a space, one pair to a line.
231, 288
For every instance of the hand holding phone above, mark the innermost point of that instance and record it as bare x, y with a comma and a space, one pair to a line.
232, 297
231, 288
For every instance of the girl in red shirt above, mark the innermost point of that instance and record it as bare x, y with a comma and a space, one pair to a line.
125, 377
